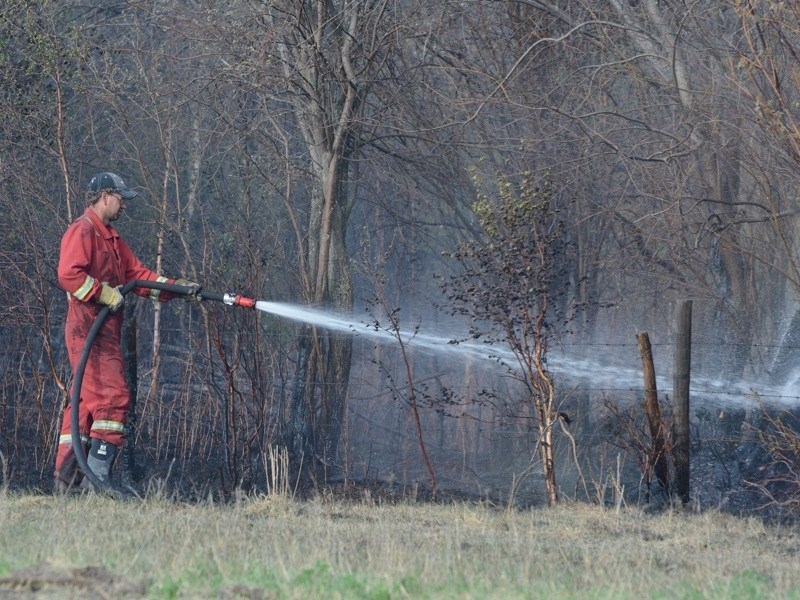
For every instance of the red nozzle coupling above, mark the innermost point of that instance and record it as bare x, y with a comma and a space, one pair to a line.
244, 302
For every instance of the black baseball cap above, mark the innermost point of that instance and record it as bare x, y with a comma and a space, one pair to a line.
113, 182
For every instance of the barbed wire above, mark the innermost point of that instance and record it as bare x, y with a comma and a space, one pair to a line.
670, 344
172, 410
755, 394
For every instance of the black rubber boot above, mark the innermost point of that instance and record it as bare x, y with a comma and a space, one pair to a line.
100, 461
69, 480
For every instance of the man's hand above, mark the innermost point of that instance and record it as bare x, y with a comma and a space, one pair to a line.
194, 289
111, 297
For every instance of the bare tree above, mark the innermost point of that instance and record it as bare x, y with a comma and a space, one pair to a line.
508, 288
316, 43
38, 76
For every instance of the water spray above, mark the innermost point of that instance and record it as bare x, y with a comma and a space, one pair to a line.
599, 371
75, 395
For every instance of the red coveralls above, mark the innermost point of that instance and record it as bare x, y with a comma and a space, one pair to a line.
91, 253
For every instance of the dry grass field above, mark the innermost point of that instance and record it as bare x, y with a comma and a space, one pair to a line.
259, 547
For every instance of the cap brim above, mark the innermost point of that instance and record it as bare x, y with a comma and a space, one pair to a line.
128, 194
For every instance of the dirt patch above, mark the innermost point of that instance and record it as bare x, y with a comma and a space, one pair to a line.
241, 592
48, 580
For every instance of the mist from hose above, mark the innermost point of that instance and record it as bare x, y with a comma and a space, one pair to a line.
594, 373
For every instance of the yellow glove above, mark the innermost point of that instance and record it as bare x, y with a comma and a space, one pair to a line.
111, 297
194, 289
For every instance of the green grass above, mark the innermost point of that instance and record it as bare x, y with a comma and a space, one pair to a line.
272, 548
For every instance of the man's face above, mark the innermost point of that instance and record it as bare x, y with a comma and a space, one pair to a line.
114, 205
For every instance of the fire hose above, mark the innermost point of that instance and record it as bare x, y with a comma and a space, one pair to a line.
75, 395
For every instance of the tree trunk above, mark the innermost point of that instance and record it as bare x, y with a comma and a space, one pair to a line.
128, 455
317, 410
544, 400
547, 454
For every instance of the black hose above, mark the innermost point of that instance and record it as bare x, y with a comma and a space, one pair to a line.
77, 382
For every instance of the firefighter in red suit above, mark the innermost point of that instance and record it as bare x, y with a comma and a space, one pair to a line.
94, 262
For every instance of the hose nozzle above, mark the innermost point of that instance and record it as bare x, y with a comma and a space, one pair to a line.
236, 300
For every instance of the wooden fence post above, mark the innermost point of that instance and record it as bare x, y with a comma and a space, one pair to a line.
658, 457
680, 398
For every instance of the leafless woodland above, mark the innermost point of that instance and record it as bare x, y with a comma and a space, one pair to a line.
330, 154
